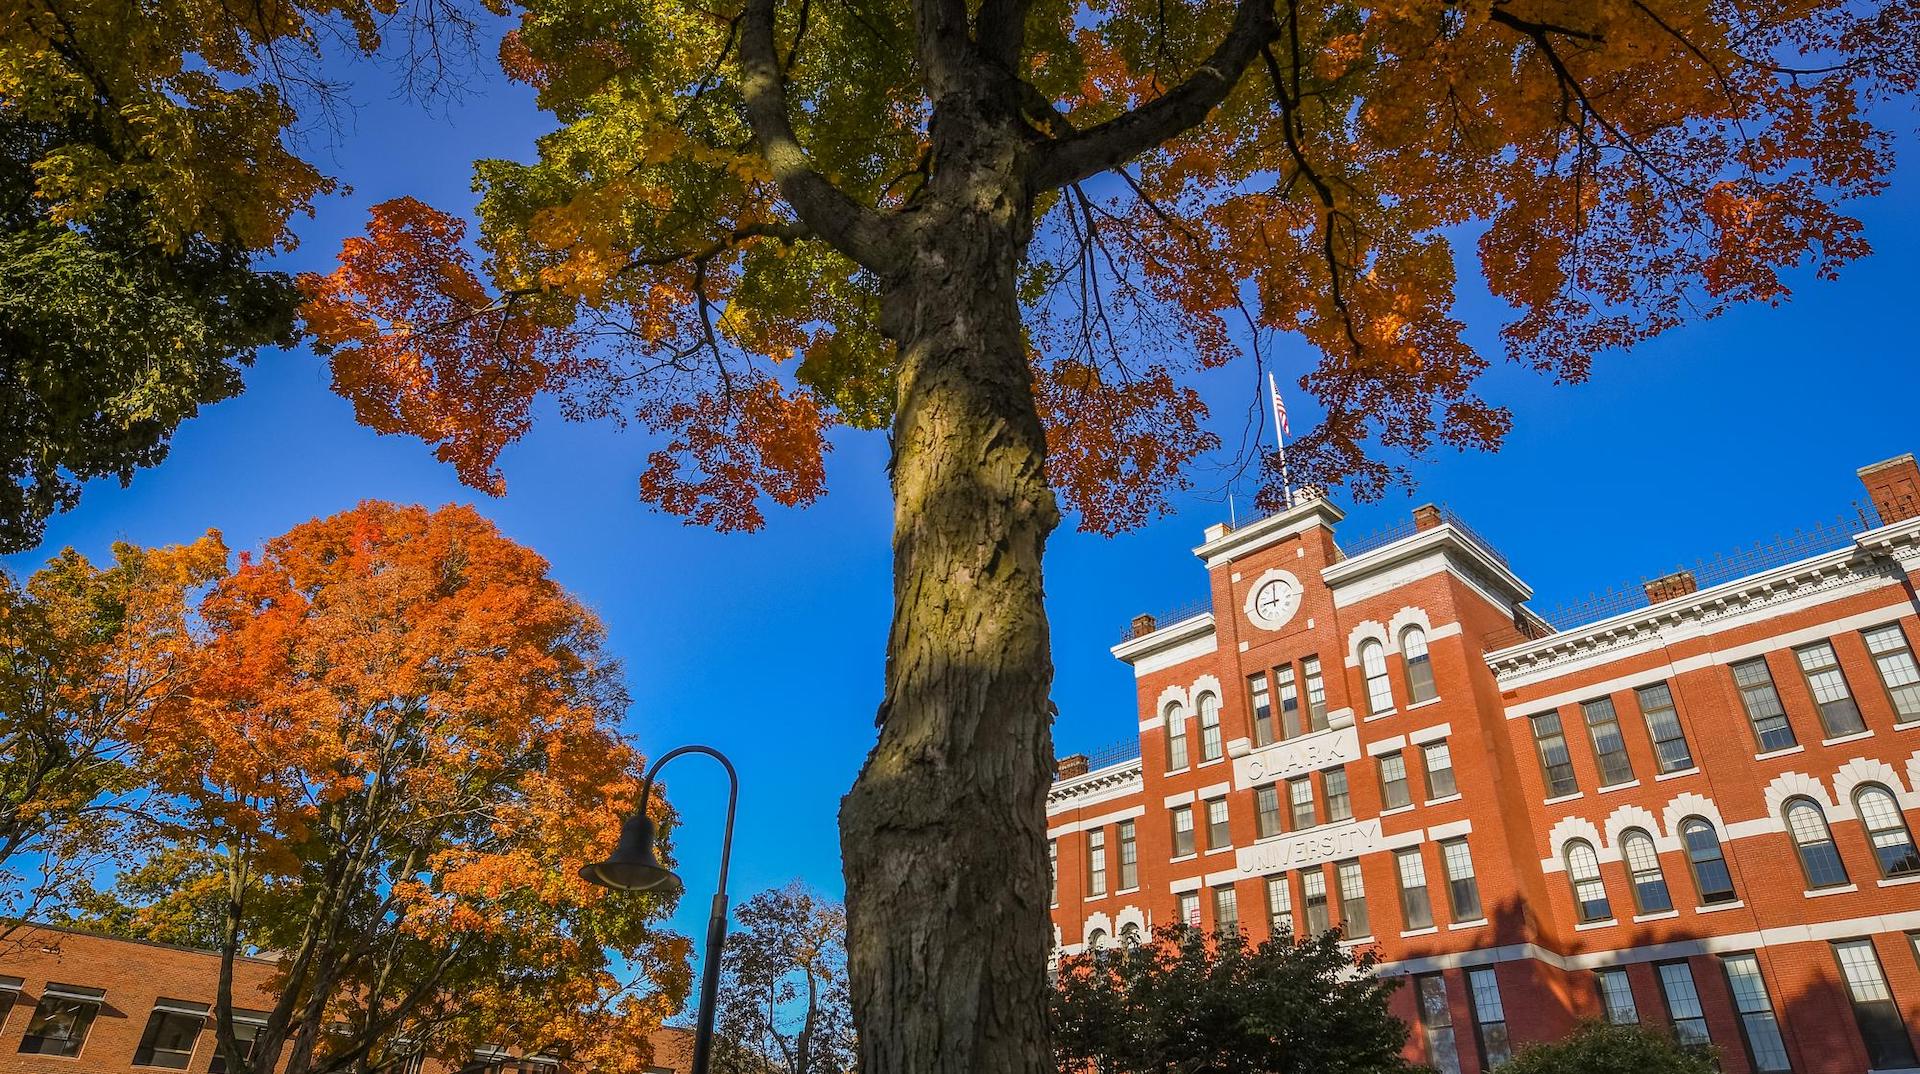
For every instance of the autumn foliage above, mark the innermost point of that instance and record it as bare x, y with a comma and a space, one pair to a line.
1615, 166
382, 747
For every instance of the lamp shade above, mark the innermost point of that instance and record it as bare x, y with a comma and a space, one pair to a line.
633, 865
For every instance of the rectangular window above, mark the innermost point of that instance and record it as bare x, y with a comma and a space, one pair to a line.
1316, 693
1438, 760
1670, 750
248, 1024
1393, 782
1436, 1023
1463, 887
1893, 659
1129, 856
1839, 715
1279, 904
1289, 700
1053, 870
1313, 895
1609, 745
171, 1031
1489, 1016
1182, 831
1211, 747
1416, 907
1097, 862
1757, 1022
1190, 909
1616, 997
1266, 810
1353, 901
1762, 702
1261, 704
60, 1021
1683, 1005
1218, 833
1556, 763
1339, 802
1300, 797
1881, 1028
1176, 738
1226, 909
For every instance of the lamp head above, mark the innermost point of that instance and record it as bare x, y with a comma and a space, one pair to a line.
633, 865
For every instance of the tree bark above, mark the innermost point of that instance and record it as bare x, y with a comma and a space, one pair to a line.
943, 835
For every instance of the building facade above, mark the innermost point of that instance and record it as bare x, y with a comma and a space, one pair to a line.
75, 1001
1694, 812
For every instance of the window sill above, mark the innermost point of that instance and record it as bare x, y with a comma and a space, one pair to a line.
1684, 772
1620, 786
1219, 849
1181, 857
1589, 926
1210, 764
1382, 714
1838, 889
1357, 941
1454, 797
1565, 798
1662, 915
1422, 704
1909, 724
1771, 754
1095, 898
1854, 737
1900, 881
1462, 926
1178, 771
1714, 908
1397, 810
1411, 933
1134, 890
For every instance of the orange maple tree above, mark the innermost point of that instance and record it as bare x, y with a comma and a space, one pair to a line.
1012, 232
396, 745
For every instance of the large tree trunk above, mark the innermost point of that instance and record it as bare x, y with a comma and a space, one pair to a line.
943, 835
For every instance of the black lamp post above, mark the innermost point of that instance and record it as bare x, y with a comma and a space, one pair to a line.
634, 867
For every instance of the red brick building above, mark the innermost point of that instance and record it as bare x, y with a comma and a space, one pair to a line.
1692, 809
78, 1002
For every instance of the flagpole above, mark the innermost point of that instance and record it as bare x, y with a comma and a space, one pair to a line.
1280, 436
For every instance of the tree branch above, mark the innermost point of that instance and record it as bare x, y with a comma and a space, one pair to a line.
853, 229
1001, 29
1113, 143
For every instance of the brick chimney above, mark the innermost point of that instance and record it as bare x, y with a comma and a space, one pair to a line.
1669, 586
1426, 517
1894, 486
1143, 625
1073, 764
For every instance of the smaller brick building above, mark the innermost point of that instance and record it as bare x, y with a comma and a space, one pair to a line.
74, 1001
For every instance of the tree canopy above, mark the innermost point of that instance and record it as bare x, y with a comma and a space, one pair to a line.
390, 743
783, 987
1185, 1000
1617, 167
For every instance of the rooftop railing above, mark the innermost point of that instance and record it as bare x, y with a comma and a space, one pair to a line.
1720, 569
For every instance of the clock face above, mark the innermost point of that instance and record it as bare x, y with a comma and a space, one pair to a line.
1274, 600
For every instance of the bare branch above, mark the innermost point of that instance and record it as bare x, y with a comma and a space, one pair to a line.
1113, 143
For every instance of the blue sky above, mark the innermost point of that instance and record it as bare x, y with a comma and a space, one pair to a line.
769, 646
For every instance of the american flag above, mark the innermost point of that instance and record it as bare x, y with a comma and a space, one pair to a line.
1279, 408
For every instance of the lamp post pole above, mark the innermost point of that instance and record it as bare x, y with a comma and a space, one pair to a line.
634, 867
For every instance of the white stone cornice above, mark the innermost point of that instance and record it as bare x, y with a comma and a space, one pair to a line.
1224, 545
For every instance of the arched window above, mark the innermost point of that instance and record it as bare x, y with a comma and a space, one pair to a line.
1710, 876
1097, 940
1819, 858
1176, 721
1130, 934
1413, 646
1373, 663
1886, 830
1209, 706
1643, 866
1589, 891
